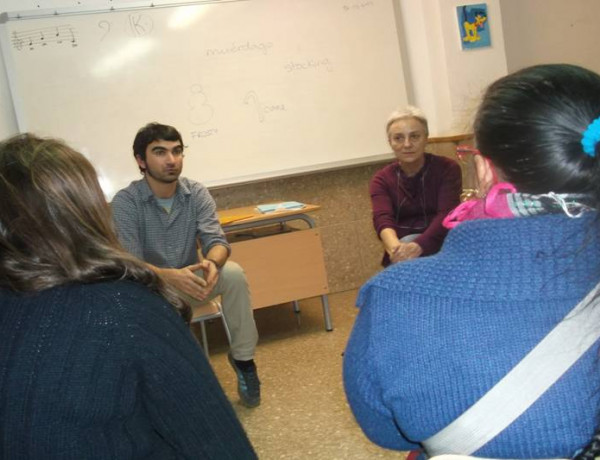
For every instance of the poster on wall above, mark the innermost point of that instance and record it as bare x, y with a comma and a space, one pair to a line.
473, 25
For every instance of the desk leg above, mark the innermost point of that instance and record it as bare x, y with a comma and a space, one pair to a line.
296, 311
326, 313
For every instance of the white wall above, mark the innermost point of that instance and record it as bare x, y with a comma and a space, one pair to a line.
447, 82
469, 72
551, 31
421, 19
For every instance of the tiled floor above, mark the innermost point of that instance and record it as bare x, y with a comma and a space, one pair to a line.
304, 414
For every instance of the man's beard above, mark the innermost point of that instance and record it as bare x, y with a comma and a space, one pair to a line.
162, 177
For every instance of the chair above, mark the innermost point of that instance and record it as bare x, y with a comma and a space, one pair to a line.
209, 310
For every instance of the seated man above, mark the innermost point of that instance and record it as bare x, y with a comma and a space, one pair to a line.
160, 219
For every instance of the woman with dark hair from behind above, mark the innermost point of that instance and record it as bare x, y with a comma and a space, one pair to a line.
95, 361
490, 348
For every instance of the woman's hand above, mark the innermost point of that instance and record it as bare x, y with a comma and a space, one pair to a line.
399, 250
405, 251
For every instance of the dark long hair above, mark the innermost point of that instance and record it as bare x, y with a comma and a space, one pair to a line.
55, 224
530, 124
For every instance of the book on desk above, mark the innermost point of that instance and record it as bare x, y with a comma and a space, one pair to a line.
283, 206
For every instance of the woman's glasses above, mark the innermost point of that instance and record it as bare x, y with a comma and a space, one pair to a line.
471, 187
465, 154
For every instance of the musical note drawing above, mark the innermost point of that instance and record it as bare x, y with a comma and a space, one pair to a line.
41, 37
104, 25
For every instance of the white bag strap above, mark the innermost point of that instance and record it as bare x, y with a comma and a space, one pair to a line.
524, 384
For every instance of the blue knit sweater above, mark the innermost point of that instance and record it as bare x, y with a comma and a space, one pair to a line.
433, 335
107, 371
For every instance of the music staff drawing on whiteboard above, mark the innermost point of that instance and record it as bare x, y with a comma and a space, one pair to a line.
44, 36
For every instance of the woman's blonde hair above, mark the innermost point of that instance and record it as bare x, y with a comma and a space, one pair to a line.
55, 224
407, 112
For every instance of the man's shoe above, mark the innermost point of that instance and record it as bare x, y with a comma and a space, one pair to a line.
248, 384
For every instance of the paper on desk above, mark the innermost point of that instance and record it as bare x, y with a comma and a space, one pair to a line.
285, 205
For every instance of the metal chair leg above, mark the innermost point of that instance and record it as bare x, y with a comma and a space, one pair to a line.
326, 313
204, 339
225, 325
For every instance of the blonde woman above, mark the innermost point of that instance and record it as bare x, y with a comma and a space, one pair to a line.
411, 196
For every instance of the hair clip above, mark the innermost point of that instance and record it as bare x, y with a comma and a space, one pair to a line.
590, 138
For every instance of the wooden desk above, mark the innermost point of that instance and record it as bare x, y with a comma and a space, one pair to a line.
281, 267
249, 217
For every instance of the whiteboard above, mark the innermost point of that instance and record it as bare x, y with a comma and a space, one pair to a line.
257, 88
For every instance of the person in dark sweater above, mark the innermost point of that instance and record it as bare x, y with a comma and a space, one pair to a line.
96, 358
411, 196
